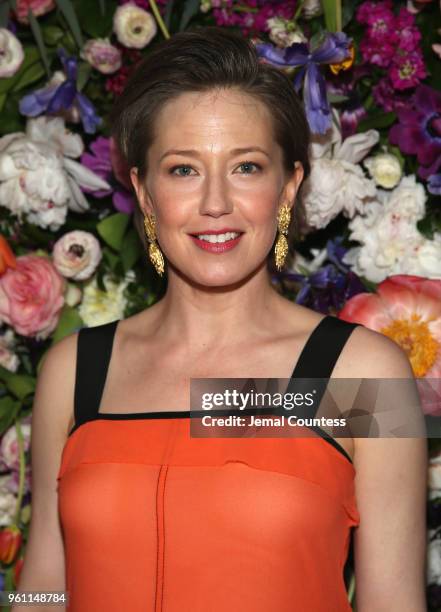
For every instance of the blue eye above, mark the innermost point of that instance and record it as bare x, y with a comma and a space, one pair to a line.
250, 164
172, 170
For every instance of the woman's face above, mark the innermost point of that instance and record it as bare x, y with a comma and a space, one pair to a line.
198, 182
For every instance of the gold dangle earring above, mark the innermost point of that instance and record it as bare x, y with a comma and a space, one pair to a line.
155, 253
281, 248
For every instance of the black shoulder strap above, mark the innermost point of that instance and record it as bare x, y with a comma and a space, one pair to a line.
94, 349
318, 358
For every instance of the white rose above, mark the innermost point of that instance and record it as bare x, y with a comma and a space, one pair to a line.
99, 307
11, 53
77, 254
385, 169
134, 27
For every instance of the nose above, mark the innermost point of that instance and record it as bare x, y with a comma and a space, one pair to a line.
215, 197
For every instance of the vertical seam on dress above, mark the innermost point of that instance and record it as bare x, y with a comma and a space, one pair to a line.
160, 556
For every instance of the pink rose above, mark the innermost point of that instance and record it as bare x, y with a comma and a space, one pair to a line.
31, 296
39, 7
9, 445
102, 55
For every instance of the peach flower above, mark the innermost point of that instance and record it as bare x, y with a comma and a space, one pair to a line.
31, 296
407, 309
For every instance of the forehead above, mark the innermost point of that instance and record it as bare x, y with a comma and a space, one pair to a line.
224, 116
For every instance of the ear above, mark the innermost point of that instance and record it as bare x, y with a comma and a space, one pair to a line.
293, 184
141, 192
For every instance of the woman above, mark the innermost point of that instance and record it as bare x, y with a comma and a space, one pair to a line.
147, 517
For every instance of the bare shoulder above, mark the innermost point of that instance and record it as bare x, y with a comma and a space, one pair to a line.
372, 354
54, 393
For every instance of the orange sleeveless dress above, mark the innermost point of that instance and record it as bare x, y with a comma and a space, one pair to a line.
155, 520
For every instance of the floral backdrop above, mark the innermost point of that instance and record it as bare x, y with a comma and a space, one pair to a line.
369, 247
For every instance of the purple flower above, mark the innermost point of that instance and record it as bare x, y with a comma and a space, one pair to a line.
407, 69
100, 163
64, 96
418, 130
333, 50
328, 288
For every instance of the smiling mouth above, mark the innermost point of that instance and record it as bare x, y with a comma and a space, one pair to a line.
217, 238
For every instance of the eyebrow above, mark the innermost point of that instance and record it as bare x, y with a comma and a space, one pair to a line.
195, 153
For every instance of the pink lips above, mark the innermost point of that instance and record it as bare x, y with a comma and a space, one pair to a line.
216, 247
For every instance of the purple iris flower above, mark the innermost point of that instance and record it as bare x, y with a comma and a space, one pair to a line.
328, 288
52, 99
333, 50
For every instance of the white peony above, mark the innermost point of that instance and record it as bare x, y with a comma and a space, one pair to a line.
77, 254
434, 476
385, 169
99, 307
38, 178
8, 501
284, 32
11, 53
337, 183
8, 359
134, 27
311, 8
390, 242
433, 559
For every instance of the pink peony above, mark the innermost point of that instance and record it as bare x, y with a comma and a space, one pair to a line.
407, 309
31, 296
38, 7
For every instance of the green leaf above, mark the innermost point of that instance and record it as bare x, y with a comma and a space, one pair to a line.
94, 22
68, 11
4, 14
376, 121
19, 385
111, 258
131, 249
84, 70
52, 34
32, 74
35, 27
30, 58
333, 16
336, 98
168, 13
9, 408
2, 101
191, 8
112, 229
69, 322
